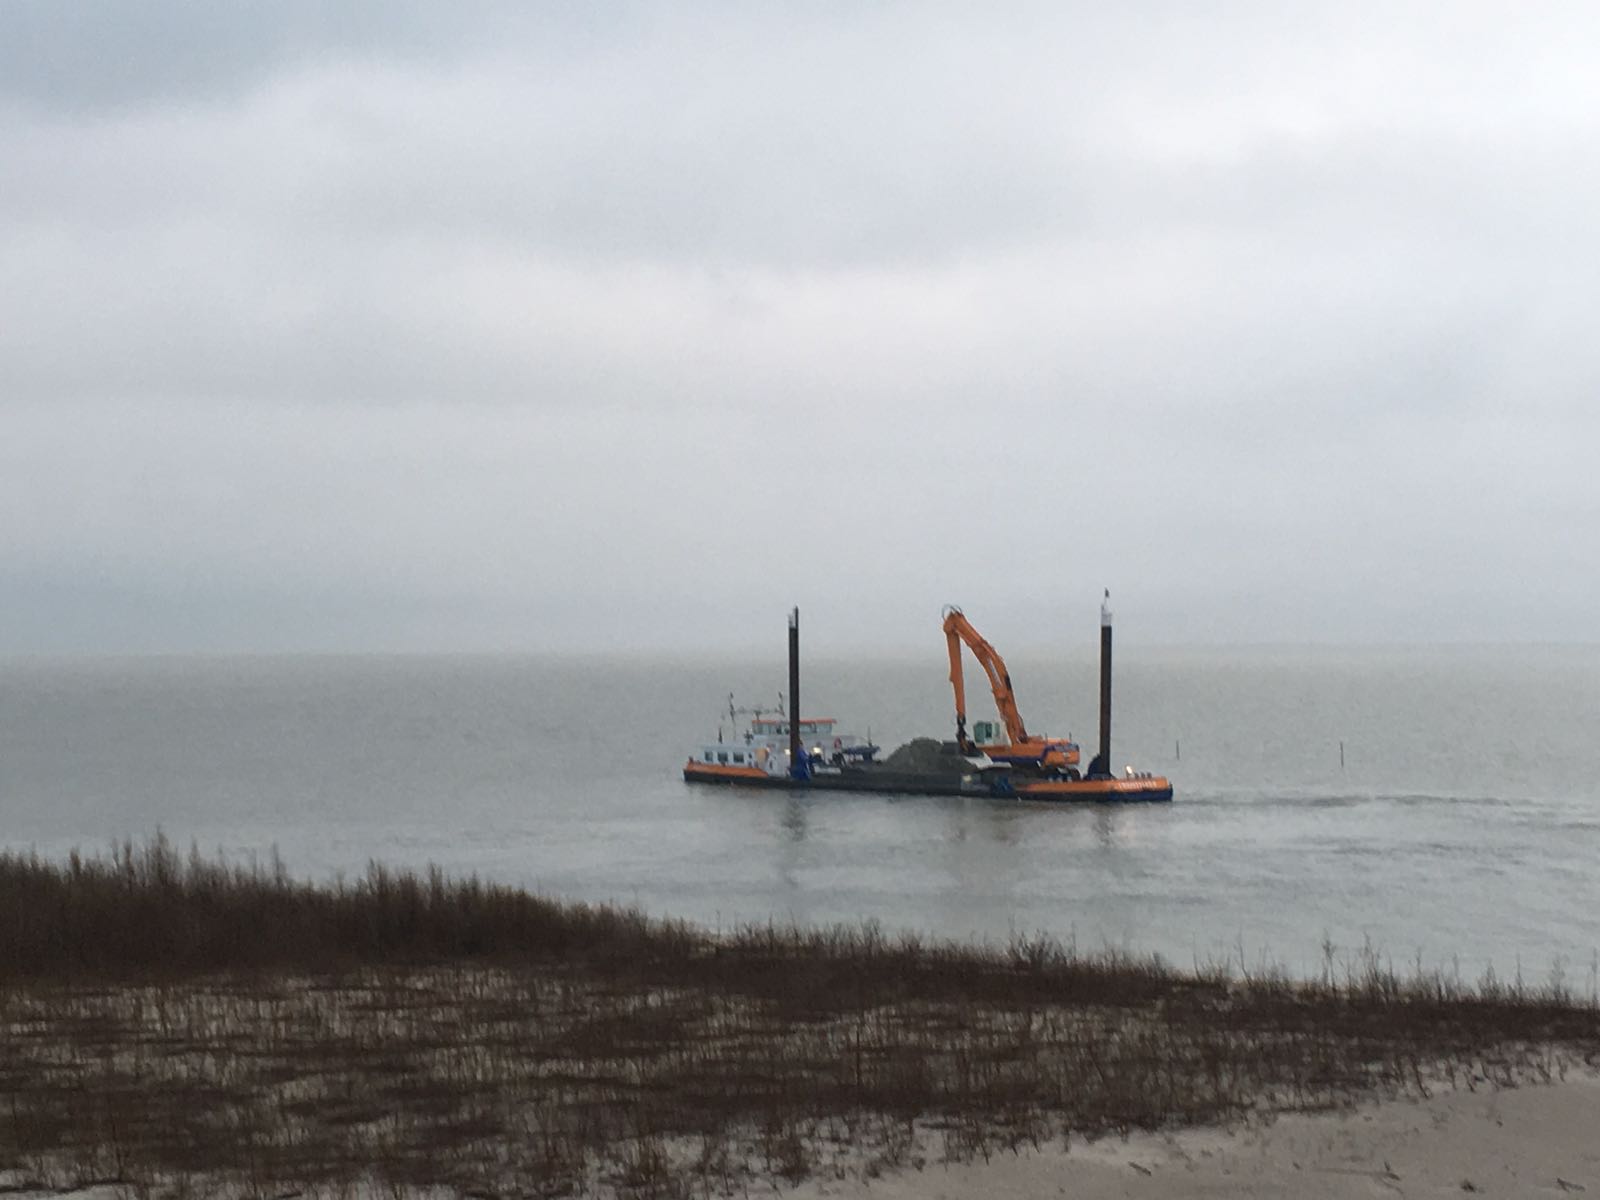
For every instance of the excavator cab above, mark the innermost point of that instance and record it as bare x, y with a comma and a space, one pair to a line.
987, 733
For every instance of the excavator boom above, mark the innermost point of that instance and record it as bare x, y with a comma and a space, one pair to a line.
958, 629
1023, 749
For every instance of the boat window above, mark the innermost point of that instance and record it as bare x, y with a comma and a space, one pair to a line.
738, 757
708, 756
722, 756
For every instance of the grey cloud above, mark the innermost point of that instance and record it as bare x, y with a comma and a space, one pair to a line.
94, 57
499, 325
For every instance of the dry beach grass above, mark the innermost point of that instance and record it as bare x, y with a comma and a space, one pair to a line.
178, 1025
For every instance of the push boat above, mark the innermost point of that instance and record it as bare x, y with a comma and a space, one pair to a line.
762, 752
811, 753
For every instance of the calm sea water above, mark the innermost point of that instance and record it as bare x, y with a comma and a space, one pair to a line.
1463, 826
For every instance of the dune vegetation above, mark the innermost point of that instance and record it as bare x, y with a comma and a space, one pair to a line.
178, 1025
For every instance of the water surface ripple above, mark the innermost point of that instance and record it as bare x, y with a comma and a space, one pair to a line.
1463, 827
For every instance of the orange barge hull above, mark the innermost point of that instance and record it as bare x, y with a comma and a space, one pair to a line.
1139, 790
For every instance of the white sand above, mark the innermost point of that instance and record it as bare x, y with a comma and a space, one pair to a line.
1538, 1140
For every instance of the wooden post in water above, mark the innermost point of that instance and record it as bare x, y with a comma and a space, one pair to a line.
797, 764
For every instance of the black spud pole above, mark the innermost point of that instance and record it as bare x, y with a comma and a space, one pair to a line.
797, 764
1105, 683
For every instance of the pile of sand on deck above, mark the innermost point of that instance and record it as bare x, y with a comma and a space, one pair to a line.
928, 756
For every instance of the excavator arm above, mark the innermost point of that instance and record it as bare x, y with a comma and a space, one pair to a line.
958, 629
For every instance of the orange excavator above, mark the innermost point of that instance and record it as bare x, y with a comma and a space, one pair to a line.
1020, 749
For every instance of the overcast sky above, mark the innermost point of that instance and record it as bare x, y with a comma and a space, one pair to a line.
499, 326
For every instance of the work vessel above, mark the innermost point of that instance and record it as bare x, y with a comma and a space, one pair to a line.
787, 750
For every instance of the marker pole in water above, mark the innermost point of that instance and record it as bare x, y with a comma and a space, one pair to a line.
797, 764
1105, 683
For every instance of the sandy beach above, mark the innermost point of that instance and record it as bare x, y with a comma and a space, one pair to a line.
1535, 1140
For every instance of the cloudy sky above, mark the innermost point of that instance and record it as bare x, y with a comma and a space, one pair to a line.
423, 326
